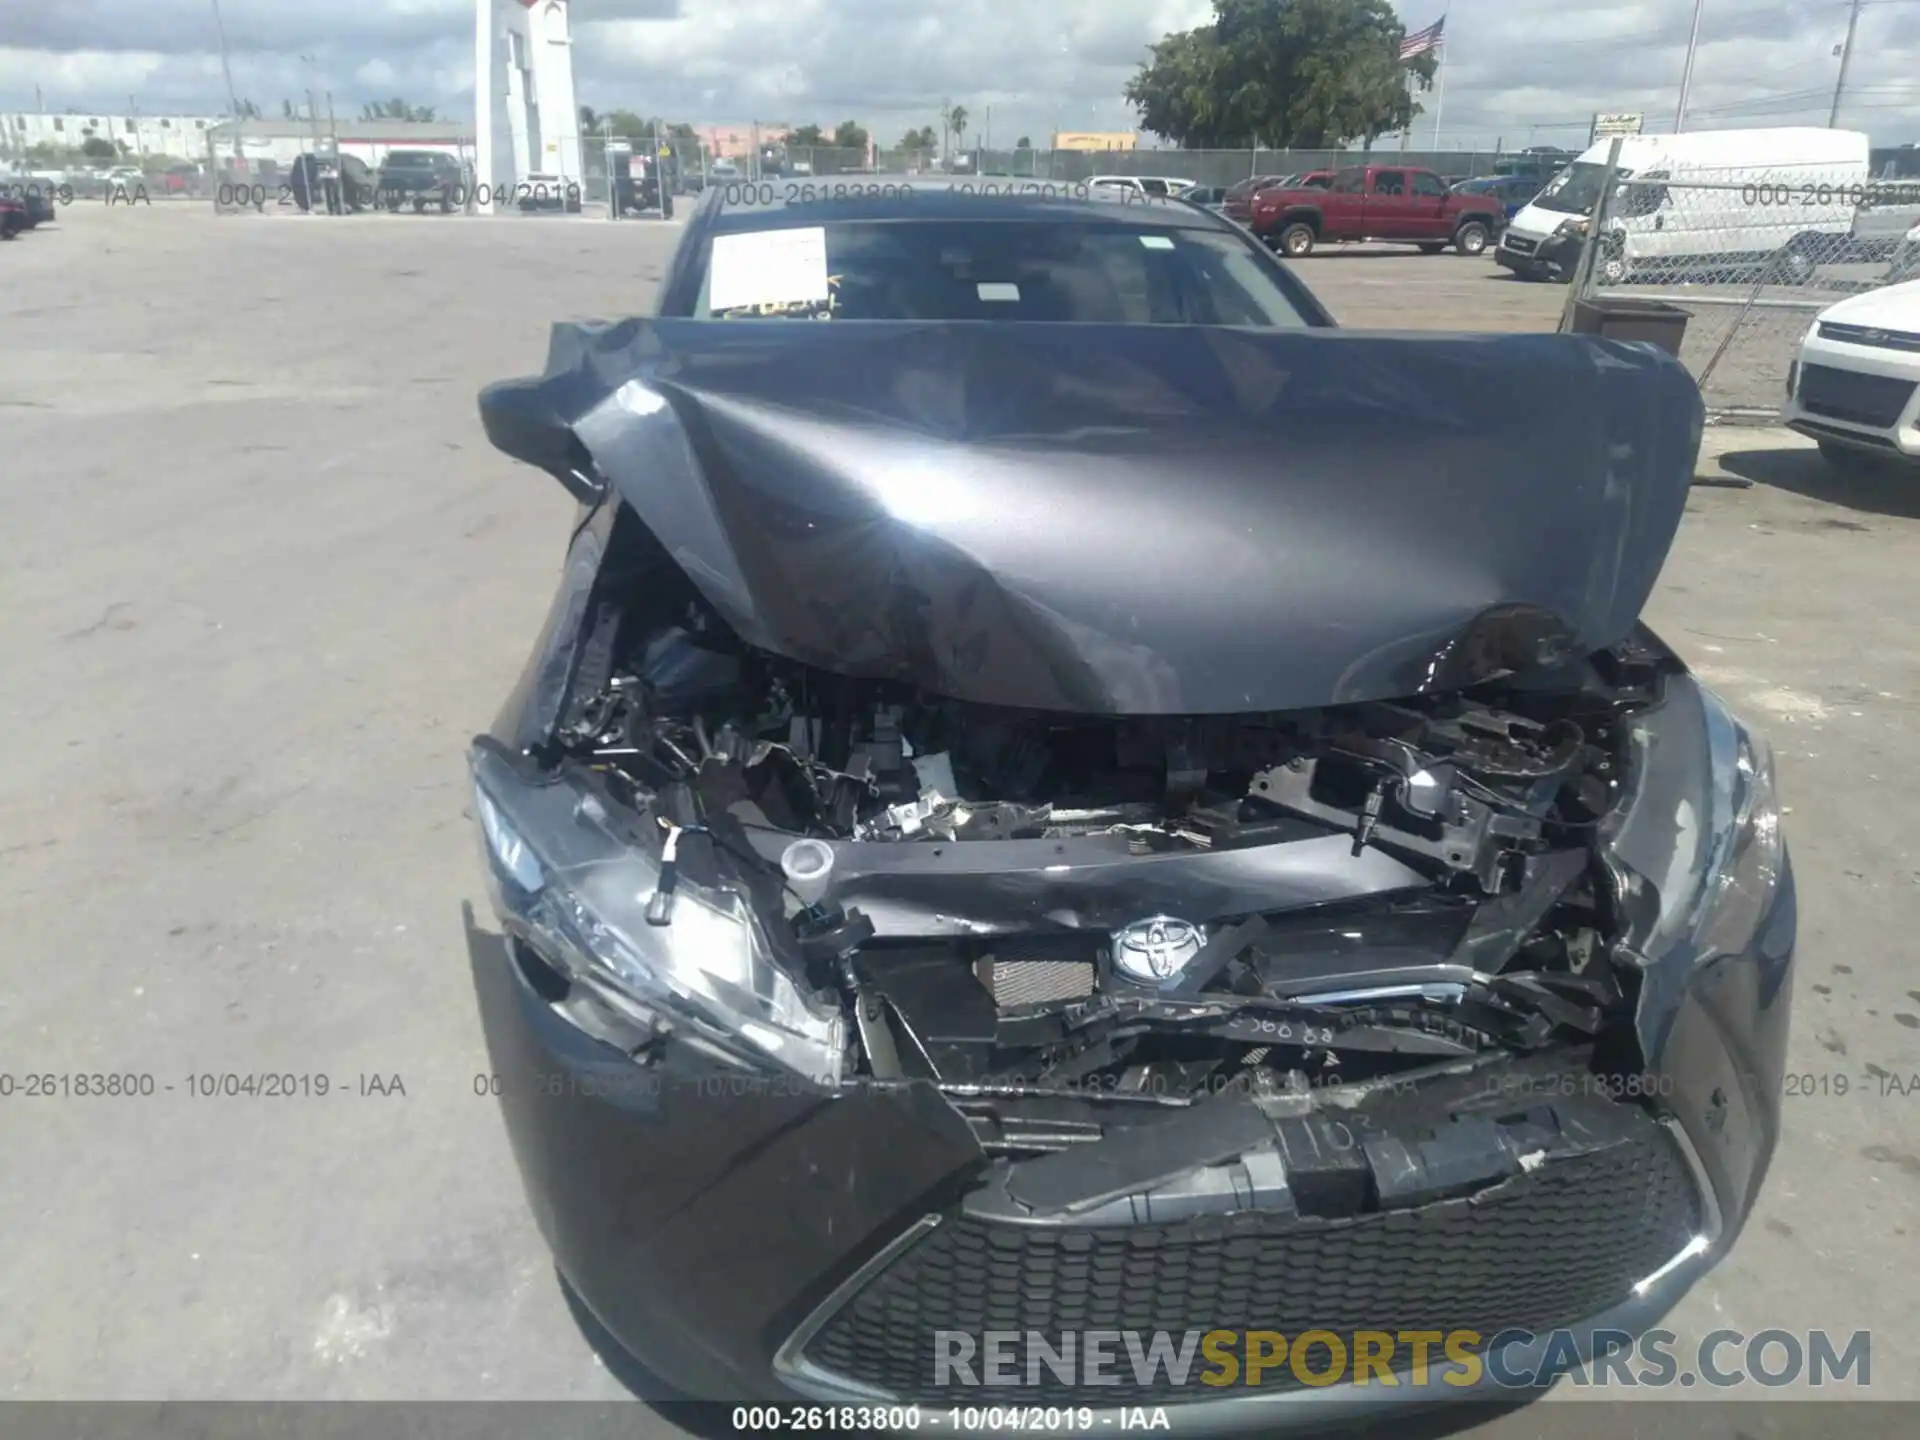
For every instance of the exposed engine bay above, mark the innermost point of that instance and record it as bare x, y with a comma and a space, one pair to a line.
1489, 798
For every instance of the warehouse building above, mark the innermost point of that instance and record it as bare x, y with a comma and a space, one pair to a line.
284, 141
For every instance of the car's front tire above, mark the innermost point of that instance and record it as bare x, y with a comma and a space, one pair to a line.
1296, 240
1471, 238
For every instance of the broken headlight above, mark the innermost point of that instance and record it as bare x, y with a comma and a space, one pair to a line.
577, 891
1697, 850
1747, 850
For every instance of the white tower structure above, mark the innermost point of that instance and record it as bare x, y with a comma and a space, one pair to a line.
526, 122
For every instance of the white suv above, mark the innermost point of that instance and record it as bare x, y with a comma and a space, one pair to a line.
1154, 185
1855, 387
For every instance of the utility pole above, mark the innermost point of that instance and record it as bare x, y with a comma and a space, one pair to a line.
1846, 55
1686, 75
226, 68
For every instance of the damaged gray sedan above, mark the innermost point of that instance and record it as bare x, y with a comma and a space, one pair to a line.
1062, 793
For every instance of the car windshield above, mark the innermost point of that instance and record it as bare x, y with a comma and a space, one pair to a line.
1577, 187
1111, 272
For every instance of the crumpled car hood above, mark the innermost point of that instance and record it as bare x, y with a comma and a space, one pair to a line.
1137, 519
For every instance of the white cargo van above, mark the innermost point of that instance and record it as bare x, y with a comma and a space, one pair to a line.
1790, 203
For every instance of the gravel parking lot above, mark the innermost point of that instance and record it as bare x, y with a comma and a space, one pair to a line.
262, 579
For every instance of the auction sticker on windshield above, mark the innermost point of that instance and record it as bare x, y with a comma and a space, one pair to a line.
768, 267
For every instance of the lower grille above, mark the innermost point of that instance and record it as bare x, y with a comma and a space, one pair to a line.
1039, 969
1875, 400
1560, 1244
1519, 244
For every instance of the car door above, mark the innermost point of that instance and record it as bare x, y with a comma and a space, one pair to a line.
1344, 205
1389, 206
1426, 210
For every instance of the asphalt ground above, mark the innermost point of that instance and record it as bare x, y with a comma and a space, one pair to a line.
261, 577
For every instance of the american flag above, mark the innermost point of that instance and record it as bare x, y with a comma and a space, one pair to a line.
1421, 41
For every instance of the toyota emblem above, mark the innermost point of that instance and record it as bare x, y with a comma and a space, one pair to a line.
1157, 949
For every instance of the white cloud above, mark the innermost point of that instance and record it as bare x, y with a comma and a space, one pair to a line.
1521, 70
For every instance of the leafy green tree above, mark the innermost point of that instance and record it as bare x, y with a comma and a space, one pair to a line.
807, 135
624, 123
94, 148
1306, 73
589, 120
1023, 143
247, 111
957, 122
921, 139
849, 135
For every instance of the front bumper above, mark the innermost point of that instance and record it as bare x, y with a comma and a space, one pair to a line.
748, 1237
1535, 257
1863, 395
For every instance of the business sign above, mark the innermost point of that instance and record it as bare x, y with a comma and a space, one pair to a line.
1096, 140
1605, 127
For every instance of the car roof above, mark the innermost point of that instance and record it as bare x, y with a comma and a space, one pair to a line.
908, 197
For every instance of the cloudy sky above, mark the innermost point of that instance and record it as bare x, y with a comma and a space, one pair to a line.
1526, 71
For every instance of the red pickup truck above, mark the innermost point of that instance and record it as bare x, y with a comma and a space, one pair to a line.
1394, 203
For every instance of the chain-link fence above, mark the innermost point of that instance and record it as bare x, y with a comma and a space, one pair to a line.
1751, 254
1202, 167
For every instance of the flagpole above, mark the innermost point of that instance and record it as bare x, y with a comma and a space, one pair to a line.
1440, 96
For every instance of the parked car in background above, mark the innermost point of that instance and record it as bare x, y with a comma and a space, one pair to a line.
1154, 185
337, 184
13, 217
1785, 202
127, 175
1512, 191
1855, 386
178, 179
723, 170
420, 178
1886, 226
1213, 197
1238, 204
33, 200
547, 192
637, 186
38, 202
1394, 203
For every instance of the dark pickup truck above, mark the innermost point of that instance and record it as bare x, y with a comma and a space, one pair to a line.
421, 178
1397, 204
